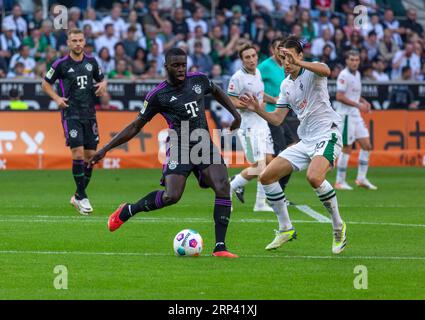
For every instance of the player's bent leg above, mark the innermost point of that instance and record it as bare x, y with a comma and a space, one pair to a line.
216, 178
260, 200
274, 171
361, 180
238, 182
316, 176
174, 187
342, 164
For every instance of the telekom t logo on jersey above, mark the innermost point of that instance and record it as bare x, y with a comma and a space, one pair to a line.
192, 108
82, 82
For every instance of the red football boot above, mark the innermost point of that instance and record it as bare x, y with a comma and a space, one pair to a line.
114, 221
225, 254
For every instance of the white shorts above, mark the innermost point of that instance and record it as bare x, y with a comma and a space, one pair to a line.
300, 154
353, 128
256, 143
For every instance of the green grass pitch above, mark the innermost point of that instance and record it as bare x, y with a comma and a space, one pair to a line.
40, 230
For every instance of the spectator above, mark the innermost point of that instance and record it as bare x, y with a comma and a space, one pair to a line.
387, 46
74, 15
88, 35
47, 34
183, 45
367, 73
389, 22
220, 21
121, 71
340, 42
9, 42
159, 57
17, 72
287, 22
355, 41
131, 42
201, 60
335, 71
179, 23
239, 19
378, 72
323, 24
406, 57
40, 70
401, 97
120, 54
37, 19
24, 57
283, 6
15, 101
323, 5
105, 103
133, 22
151, 37
51, 56
411, 24
326, 56
296, 31
139, 61
151, 72
119, 26
199, 37
319, 43
372, 45
349, 27
196, 20
108, 40
374, 25
105, 61
37, 44
257, 29
97, 26
16, 20
152, 18
166, 7
307, 26
371, 5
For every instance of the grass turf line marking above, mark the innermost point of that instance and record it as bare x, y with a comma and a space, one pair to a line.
72, 219
152, 254
312, 213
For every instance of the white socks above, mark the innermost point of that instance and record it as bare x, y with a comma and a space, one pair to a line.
363, 164
238, 182
327, 195
342, 167
276, 199
261, 195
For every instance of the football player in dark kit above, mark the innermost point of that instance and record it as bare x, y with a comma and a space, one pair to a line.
180, 100
76, 73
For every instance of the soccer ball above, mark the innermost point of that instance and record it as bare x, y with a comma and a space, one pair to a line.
188, 243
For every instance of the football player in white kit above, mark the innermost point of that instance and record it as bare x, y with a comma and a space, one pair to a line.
305, 91
349, 103
254, 133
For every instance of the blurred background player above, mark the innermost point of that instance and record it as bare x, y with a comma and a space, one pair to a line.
349, 103
254, 133
180, 100
304, 90
76, 72
272, 74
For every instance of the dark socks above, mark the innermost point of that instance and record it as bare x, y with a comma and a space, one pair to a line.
284, 181
87, 174
152, 201
221, 218
78, 173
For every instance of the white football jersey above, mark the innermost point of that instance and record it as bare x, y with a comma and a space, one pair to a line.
243, 82
351, 85
308, 97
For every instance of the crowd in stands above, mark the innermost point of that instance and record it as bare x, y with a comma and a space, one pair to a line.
129, 38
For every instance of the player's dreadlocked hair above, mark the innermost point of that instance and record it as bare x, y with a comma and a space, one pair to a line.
174, 52
293, 42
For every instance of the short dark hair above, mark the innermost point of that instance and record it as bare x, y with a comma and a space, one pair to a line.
245, 47
293, 42
277, 41
75, 31
405, 68
174, 52
352, 52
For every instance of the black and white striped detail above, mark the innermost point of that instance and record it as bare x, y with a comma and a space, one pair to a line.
327, 196
275, 196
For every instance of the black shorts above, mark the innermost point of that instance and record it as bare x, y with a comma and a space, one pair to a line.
285, 134
81, 133
173, 165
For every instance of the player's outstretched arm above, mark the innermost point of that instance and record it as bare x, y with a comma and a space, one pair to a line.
225, 101
321, 69
275, 118
125, 135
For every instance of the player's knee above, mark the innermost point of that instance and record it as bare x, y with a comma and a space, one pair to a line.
222, 188
347, 149
266, 179
171, 198
314, 180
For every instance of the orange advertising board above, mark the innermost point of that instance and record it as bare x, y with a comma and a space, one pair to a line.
35, 140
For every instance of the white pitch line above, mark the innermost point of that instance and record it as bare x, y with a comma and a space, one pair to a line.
312, 213
73, 219
152, 254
